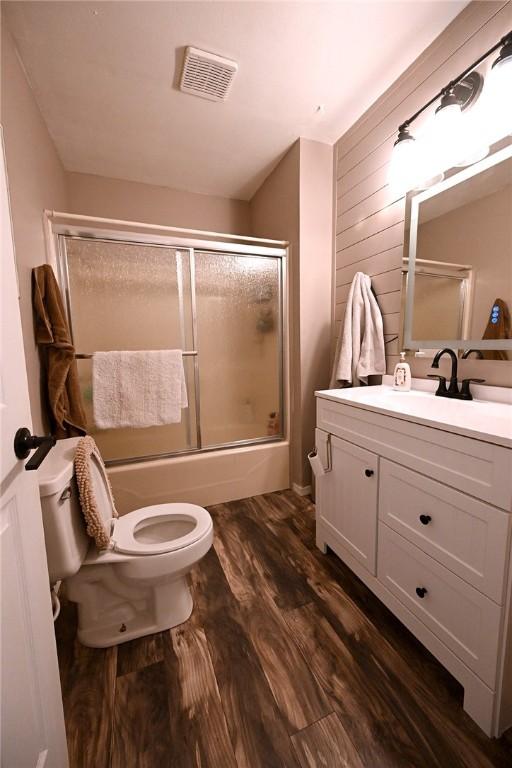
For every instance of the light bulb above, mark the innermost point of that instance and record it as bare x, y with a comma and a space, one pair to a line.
498, 94
443, 141
474, 140
403, 168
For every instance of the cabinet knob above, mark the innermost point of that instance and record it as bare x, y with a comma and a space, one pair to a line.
425, 519
369, 472
421, 591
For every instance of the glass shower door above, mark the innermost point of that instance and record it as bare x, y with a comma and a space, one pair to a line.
129, 296
238, 306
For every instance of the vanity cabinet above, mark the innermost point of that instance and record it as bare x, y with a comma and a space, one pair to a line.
423, 517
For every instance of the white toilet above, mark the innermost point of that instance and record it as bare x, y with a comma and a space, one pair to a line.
138, 586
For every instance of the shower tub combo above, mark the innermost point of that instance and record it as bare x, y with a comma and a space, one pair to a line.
219, 298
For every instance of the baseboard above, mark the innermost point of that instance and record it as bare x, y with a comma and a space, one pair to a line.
302, 490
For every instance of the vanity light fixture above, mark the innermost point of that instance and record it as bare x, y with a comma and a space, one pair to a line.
453, 138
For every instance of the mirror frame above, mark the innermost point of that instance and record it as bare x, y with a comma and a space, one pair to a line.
413, 201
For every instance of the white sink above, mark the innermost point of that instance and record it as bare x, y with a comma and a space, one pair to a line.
482, 419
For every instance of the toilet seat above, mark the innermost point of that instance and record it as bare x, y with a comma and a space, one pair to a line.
159, 528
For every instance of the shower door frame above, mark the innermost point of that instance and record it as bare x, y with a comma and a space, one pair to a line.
61, 232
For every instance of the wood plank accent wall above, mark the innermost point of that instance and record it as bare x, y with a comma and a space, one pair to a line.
369, 218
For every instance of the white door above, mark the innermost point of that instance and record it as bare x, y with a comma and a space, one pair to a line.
349, 501
31, 719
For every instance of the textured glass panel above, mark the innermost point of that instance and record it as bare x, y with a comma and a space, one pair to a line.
131, 297
238, 325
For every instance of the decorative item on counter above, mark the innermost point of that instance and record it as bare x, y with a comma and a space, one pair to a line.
402, 375
273, 424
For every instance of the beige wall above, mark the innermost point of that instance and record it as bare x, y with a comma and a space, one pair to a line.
369, 217
316, 172
295, 204
119, 199
36, 181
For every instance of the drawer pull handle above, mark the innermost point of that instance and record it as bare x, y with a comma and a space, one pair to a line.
425, 519
421, 591
369, 472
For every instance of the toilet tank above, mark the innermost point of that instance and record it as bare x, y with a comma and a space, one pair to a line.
65, 536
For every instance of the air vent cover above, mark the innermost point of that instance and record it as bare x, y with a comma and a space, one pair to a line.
207, 75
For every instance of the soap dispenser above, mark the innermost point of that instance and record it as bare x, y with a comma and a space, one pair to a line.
402, 375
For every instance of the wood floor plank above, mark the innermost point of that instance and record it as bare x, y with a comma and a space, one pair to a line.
287, 586
198, 728
367, 716
138, 653
325, 744
237, 562
296, 691
141, 737
258, 735
88, 686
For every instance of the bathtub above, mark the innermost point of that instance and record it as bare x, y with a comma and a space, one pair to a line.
206, 478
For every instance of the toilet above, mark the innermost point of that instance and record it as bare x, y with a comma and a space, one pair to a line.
139, 585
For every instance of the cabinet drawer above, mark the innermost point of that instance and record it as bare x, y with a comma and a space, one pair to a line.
465, 620
473, 466
467, 536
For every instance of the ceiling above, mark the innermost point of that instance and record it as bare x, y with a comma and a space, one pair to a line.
104, 75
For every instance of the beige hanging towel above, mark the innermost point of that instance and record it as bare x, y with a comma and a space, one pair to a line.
87, 451
360, 350
66, 411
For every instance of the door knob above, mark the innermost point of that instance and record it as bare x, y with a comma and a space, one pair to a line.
369, 472
421, 591
24, 442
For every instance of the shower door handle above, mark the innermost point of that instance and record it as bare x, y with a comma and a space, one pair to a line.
24, 442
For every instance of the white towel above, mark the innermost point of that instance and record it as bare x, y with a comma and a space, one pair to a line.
360, 350
138, 389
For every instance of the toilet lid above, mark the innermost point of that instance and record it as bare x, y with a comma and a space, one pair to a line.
160, 528
101, 490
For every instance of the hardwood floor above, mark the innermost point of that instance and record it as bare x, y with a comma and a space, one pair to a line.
288, 661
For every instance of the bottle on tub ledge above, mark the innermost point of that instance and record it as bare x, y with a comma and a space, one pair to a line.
402, 375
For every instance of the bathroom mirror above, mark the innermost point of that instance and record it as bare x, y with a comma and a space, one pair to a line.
457, 266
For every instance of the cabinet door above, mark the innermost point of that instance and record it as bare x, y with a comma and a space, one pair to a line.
349, 501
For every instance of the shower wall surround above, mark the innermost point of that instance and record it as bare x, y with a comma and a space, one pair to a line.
369, 216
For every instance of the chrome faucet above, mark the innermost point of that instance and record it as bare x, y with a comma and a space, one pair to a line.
453, 388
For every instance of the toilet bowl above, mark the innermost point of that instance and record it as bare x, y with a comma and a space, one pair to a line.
139, 585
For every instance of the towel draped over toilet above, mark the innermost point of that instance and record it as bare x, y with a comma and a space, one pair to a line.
360, 350
86, 452
60, 372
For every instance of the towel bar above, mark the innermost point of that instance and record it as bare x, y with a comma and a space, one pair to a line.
88, 356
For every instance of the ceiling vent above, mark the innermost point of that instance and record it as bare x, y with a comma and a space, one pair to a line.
207, 75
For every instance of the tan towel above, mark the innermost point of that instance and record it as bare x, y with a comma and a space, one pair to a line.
85, 452
67, 417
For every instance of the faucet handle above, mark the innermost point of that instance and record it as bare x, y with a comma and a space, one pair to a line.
441, 390
465, 392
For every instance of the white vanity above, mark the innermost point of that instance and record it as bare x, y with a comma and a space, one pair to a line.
416, 498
